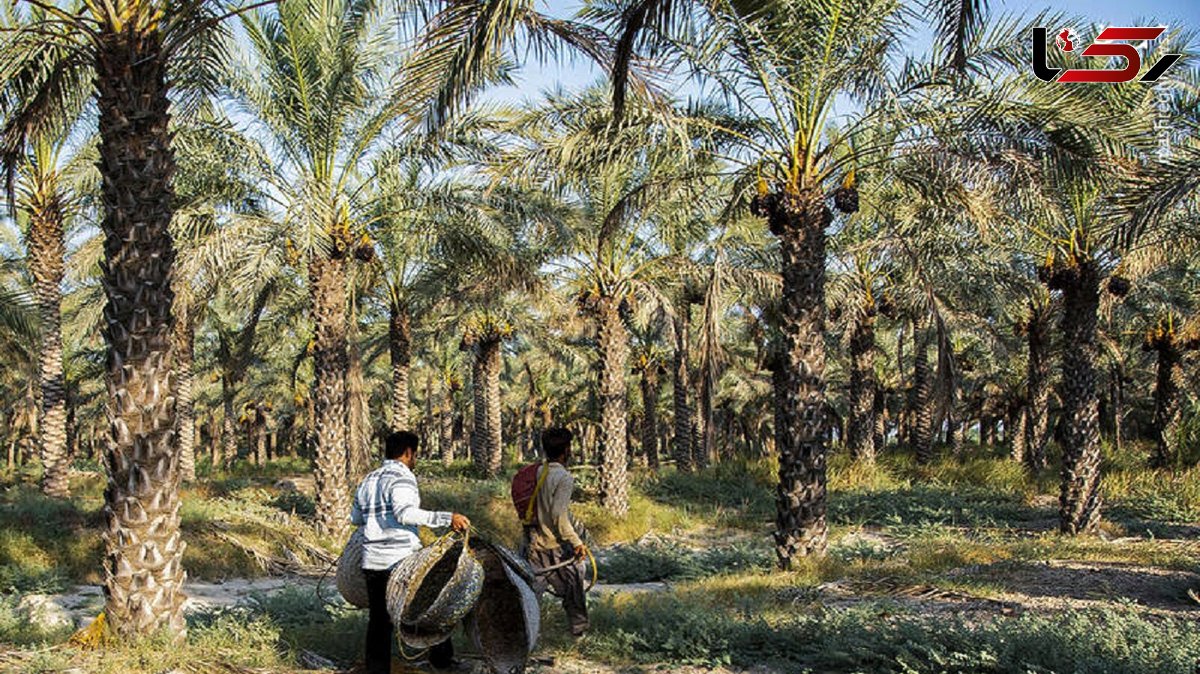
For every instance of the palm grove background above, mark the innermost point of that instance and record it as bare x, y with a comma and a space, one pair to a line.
247, 233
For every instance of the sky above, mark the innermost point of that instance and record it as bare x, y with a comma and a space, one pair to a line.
535, 78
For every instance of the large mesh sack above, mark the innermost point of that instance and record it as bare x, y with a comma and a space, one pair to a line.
435, 587
351, 581
506, 620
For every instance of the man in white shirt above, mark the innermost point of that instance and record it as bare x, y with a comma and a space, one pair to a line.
387, 506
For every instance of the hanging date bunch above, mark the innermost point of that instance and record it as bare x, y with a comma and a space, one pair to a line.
845, 198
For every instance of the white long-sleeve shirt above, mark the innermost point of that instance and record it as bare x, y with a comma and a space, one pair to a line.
387, 506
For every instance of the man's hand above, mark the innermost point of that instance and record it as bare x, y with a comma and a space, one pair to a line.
459, 522
581, 552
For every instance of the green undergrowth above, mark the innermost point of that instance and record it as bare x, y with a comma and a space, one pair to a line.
649, 628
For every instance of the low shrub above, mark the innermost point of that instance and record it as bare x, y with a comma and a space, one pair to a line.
873, 639
662, 561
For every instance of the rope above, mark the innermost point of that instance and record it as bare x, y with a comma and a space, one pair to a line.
415, 656
561, 565
321, 582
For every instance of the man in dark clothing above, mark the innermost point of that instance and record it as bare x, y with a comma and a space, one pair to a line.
387, 505
553, 538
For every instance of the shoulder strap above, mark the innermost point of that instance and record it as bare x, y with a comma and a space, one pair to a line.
529, 509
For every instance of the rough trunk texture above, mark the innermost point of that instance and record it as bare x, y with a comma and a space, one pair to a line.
650, 392
400, 348
879, 413
185, 410
922, 412
327, 284
1019, 419
682, 441
799, 221
486, 440
446, 429
1037, 411
860, 429
359, 457
228, 446
46, 252
143, 550
612, 344
1079, 499
706, 437
1166, 404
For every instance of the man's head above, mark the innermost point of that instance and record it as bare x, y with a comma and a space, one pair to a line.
401, 446
556, 444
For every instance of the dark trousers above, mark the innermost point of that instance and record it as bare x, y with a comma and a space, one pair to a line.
566, 583
380, 631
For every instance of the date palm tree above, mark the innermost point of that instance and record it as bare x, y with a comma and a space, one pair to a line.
318, 82
786, 63
46, 204
130, 55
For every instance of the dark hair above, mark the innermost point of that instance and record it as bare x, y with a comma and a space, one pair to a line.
556, 442
399, 443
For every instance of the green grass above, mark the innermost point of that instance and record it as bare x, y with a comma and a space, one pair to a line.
653, 628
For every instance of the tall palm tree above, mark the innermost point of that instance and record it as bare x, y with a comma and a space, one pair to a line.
126, 53
318, 82
46, 204
44, 194
786, 62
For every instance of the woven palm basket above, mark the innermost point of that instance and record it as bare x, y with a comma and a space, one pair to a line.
506, 621
351, 581
435, 587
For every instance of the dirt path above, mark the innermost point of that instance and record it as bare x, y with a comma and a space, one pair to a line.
84, 602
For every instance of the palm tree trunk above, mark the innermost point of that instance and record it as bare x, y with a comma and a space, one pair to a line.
486, 439
185, 417
1079, 500
46, 252
1166, 407
879, 409
681, 443
650, 392
861, 427
801, 529
359, 458
1037, 411
400, 348
229, 447
327, 282
922, 414
1019, 419
446, 428
707, 441
612, 345
903, 418
143, 549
